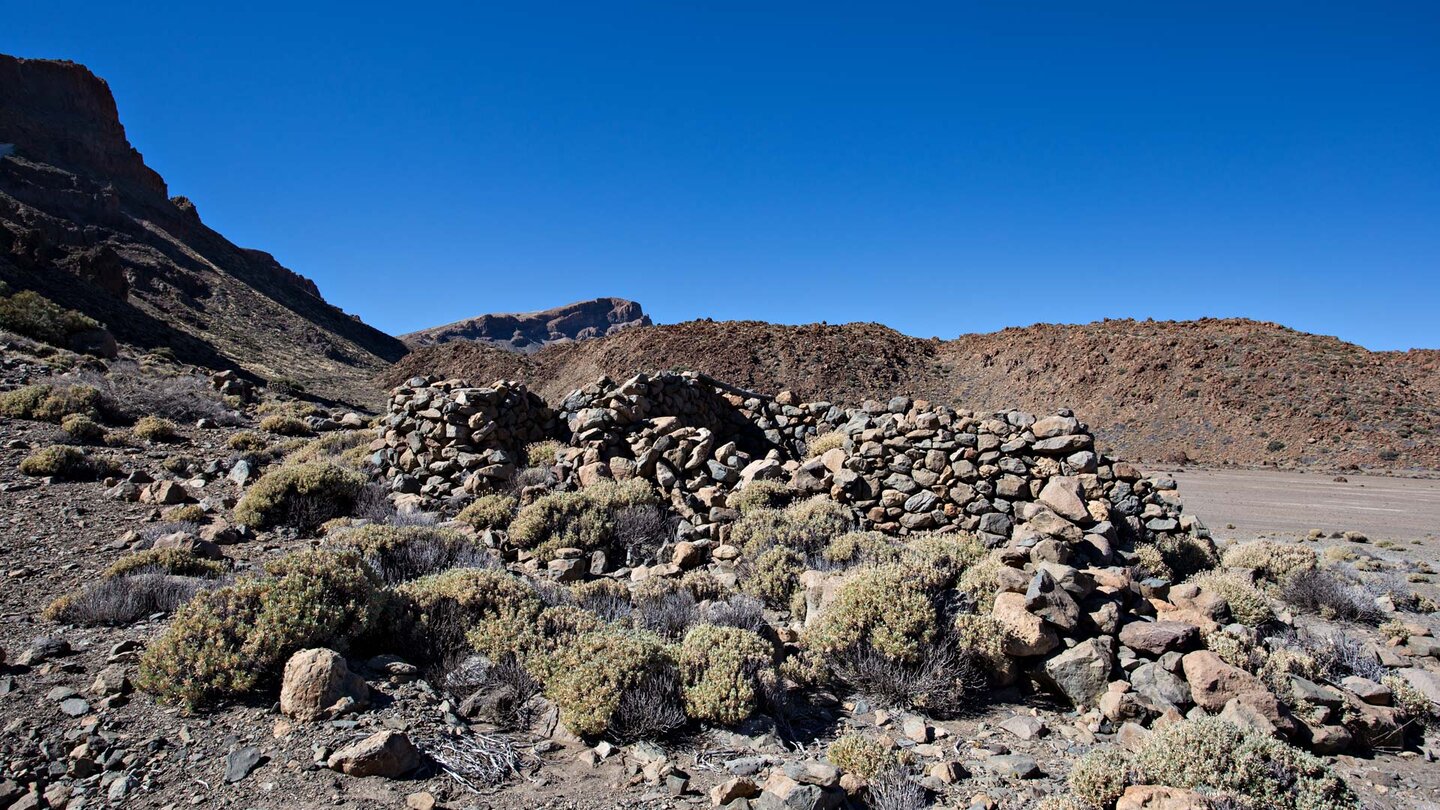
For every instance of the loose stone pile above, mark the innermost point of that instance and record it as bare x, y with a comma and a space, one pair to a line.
444, 438
903, 465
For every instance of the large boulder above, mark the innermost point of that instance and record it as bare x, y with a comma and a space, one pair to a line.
1158, 638
1214, 683
318, 683
1082, 673
385, 753
1026, 634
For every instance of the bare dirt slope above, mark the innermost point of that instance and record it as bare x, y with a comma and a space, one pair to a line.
1216, 391
84, 222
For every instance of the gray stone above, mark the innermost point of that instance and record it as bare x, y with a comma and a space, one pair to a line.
242, 762
1082, 672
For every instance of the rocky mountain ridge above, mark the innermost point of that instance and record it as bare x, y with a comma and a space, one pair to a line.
529, 331
84, 222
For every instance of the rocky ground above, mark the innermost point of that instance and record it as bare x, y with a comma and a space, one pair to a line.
77, 732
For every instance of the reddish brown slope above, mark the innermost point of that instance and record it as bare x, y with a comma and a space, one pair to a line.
1216, 391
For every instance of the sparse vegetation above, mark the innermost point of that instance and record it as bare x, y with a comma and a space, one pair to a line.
299, 495
584, 519
33, 315
155, 429
66, 462
285, 425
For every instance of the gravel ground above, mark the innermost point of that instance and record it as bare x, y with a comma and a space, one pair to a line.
1270, 502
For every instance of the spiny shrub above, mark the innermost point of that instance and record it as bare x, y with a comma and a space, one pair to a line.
937, 561
1099, 778
774, 576
724, 670
488, 512
402, 553
1175, 558
588, 678
82, 429
247, 442
807, 527
1273, 562
981, 581
67, 462
300, 495
229, 640
737, 610
337, 447
51, 403
1248, 605
584, 519
135, 391
155, 429
185, 513
866, 757
668, 614
761, 495
179, 562
882, 608
285, 425
437, 611
124, 600
641, 530
821, 443
542, 454
1210, 753
606, 598
33, 315
862, 548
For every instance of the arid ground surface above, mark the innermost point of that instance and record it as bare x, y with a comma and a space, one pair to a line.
1269, 502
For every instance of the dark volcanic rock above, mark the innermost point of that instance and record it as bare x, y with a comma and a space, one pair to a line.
531, 330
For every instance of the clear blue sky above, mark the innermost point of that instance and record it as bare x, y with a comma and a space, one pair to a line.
941, 168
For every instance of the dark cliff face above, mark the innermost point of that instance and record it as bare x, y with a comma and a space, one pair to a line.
530, 330
85, 222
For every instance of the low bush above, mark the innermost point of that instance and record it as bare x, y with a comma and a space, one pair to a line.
1329, 595
123, 600
402, 553
228, 641
247, 442
33, 315
66, 462
1099, 778
866, 757
435, 613
641, 530
299, 495
588, 679
758, 495
668, 614
1175, 558
81, 429
606, 598
774, 576
1248, 604
1212, 754
155, 429
52, 403
543, 454
1272, 562
862, 548
488, 512
285, 425
338, 446
807, 527
821, 443
185, 513
584, 519
179, 562
937, 561
736, 610
881, 608
893, 789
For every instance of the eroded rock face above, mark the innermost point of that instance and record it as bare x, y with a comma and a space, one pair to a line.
528, 331
318, 683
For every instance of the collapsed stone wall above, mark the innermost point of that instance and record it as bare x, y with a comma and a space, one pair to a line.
903, 465
445, 438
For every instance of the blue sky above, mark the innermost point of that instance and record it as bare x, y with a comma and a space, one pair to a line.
941, 168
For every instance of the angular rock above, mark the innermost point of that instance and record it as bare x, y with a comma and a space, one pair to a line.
385, 753
1082, 673
1159, 637
1026, 633
315, 681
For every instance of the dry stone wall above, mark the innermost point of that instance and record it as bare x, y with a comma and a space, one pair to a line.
903, 465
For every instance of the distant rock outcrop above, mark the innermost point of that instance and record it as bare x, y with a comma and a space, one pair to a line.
528, 331
85, 223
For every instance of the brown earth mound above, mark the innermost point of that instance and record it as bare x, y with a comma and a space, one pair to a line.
1212, 391
84, 222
